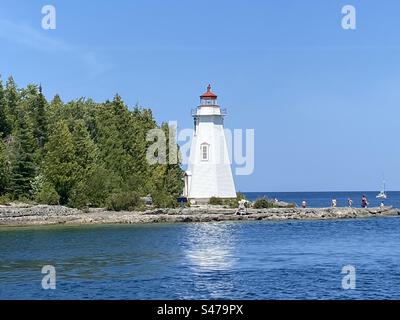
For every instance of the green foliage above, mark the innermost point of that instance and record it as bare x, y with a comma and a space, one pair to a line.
164, 200
81, 153
174, 182
98, 184
47, 194
263, 203
79, 197
231, 203
12, 97
37, 184
124, 201
240, 196
216, 201
5, 127
24, 199
40, 121
23, 167
4, 174
4, 200
234, 203
84, 149
59, 165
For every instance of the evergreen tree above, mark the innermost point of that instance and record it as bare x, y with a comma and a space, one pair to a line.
173, 177
23, 167
5, 127
88, 152
59, 165
4, 175
52, 110
12, 98
40, 121
113, 155
85, 158
142, 121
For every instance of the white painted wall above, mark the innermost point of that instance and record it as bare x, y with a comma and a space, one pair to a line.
213, 177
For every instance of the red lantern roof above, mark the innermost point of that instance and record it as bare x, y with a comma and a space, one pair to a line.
209, 95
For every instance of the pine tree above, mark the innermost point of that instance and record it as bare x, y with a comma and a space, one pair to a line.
12, 98
113, 154
23, 167
4, 175
40, 121
94, 183
87, 152
59, 165
5, 127
173, 176
52, 110
141, 122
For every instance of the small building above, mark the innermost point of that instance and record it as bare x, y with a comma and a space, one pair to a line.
209, 171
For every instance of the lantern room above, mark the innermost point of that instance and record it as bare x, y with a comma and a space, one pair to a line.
208, 98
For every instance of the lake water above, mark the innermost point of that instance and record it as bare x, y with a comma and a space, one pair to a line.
231, 260
323, 199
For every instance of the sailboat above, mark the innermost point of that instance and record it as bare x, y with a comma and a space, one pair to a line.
382, 194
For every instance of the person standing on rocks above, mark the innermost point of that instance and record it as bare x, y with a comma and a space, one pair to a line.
334, 203
364, 201
304, 204
242, 207
350, 202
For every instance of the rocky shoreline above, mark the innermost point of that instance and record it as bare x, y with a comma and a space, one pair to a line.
34, 215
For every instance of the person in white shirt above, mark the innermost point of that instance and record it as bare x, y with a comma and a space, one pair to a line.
349, 202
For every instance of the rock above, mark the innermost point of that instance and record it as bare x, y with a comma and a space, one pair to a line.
21, 214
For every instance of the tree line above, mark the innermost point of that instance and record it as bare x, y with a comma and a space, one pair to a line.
79, 153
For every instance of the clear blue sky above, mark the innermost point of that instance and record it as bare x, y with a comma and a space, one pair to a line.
324, 102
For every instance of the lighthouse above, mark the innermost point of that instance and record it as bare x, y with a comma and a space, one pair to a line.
209, 171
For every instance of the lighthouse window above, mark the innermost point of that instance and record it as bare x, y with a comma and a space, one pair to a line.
204, 152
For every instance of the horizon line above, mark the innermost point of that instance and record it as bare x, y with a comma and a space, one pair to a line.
318, 191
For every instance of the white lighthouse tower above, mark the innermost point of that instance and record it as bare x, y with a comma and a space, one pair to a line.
209, 171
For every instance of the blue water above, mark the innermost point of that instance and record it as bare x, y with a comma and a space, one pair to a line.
231, 260
323, 199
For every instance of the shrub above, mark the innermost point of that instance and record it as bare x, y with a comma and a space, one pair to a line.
5, 199
47, 194
100, 184
240, 196
162, 200
124, 201
263, 203
231, 203
216, 201
289, 205
79, 196
234, 203
37, 184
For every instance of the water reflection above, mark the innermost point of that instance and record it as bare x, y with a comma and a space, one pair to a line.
210, 252
210, 246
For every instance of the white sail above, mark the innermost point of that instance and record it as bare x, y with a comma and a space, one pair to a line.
382, 194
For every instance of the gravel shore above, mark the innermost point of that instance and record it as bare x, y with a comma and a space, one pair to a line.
33, 215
